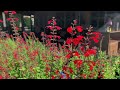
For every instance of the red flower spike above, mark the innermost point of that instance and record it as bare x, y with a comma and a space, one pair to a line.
76, 54
50, 21
16, 28
54, 22
58, 28
96, 33
67, 76
69, 29
16, 19
53, 77
15, 55
80, 37
75, 22
47, 68
84, 76
1, 77
5, 12
50, 27
1, 68
1, 21
49, 36
58, 37
96, 41
71, 71
90, 52
68, 56
9, 19
79, 28
57, 71
82, 48
76, 41
65, 68
78, 63
93, 63
61, 76
13, 12
91, 67
69, 41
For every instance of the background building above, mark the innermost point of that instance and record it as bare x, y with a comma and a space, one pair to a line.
96, 18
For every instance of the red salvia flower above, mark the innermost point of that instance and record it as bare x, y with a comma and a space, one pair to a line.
63, 47
15, 55
75, 22
50, 27
61, 76
84, 76
90, 52
80, 37
16, 28
52, 77
1, 21
54, 22
58, 28
1, 68
94, 39
25, 34
99, 76
7, 75
13, 12
35, 53
1, 77
5, 12
82, 48
7, 35
71, 71
91, 67
58, 57
76, 54
9, 19
68, 56
67, 75
78, 63
76, 41
65, 68
49, 36
26, 47
50, 21
58, 37
79, 28
70, 29
103, 65
6, 61
69, 40
86, 54
93, 51
93, 63
47, 68
16, 19
96, 33
55, 36
57, 71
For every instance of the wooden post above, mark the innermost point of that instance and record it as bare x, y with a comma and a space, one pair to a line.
4, 19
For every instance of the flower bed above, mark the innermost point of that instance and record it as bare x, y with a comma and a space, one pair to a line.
32, 60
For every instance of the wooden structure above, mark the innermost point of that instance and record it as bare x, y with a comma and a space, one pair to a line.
111, 43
